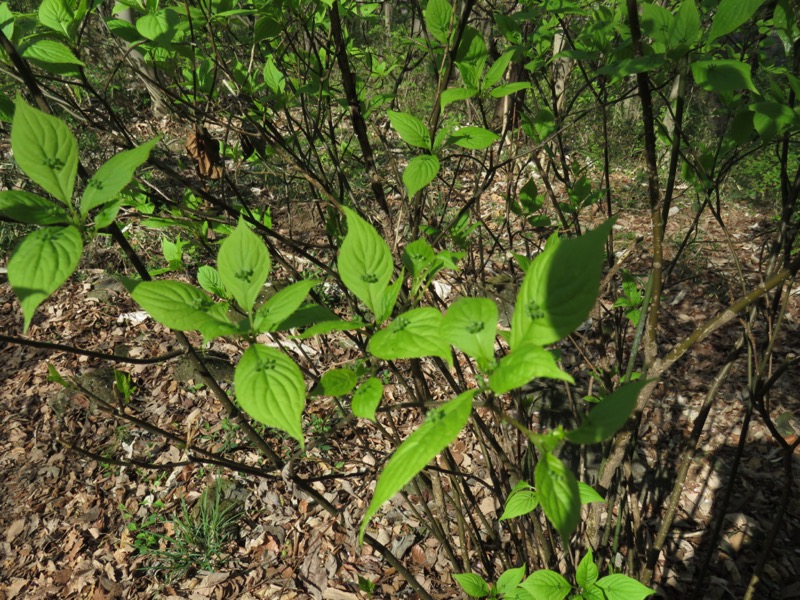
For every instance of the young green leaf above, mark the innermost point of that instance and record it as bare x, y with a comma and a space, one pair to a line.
114, 176
501, 91
547, 585
270, 388
588, 494
473, 584
24, 207
41, 262
772, 118
474, 138
730, 14
183, 307
337, 382
723, 75
497, 70
365, 262
451, 95
685, 29
280, 307
324, 327
470, 325
209, 279
244, 264
410, 129
53, 56
414, 334
58, 16
558, 494
587, 573
622, 587
45, 150
389, 299
419, 172
607, 417
367, 398
522, 500
523, 364
438, 15
559, 289
510, 579
440, 428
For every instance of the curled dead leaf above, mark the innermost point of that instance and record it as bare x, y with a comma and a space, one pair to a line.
204, 150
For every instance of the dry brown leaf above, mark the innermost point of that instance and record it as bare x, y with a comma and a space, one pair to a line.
204, 150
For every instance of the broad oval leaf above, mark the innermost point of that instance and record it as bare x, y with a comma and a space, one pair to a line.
420, 171
473, 584
619, 587
509, 88
451, 95
113, 176
730, 14
510, 579
337, 382
474, 138
586, 574
45, 149
522, 500
440, 428
53, 56
209, 279
365, 262
270, 388
588, 494
607, 417
414, 334
410, 129
183, 307
244, 264
159, 27
24, 207
496, 71
41, 262
57, 15
772, 118
438, 15
558, 494
367, 398
559, 288
470, 325
546, 585
723, 75
280, 307
523, 364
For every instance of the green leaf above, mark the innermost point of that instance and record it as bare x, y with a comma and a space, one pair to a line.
389, 298
209, 279
414, 334
270, 388
367, 398
496, 71
6, 21
771, 118
438, 15
474, 138
440, 428
622, 587
56, 15
522, 500
509, 88
546, 585
41, 262
24, 207
337, 382
472, 584
420, 171
451, 95
588, 494
418, 256
365, 262
607, 417
731, 14
114, 176
274, 79
281, 306
107, 213
53, 56
45, 149
329, 327
183, 307
470, 325
587, 572
244, 264
559, 289
558, 494
510, 579
410, 129
657, 22
523, 364
158, 27
685, 29
722, 75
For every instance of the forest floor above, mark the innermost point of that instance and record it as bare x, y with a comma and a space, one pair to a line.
74, 526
